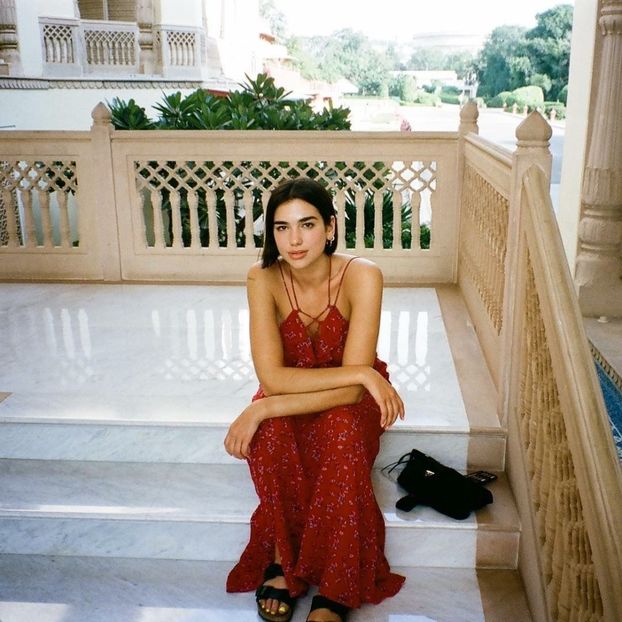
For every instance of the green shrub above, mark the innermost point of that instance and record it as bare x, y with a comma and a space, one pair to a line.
260, 105
450, 98
450, 90
427, 99
129, 115
499, 100
560, 109
530, 96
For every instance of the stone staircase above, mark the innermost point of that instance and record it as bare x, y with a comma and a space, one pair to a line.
118, 501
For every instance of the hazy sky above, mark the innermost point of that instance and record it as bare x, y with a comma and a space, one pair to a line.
400, 19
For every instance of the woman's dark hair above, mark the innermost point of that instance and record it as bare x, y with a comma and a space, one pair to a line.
307, 190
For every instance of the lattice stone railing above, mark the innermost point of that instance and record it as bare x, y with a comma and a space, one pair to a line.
35, 206
208, 204
111, 44
178, 48
483, 242
569, 574
59, 40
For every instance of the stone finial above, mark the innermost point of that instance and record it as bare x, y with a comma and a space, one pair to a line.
468, 117
101, 114
534, 129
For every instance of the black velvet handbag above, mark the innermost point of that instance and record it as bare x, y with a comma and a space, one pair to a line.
431, 483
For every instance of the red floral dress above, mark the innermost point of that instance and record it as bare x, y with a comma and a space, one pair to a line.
312, 474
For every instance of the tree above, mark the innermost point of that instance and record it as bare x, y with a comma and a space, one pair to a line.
513, 57
496, 71
275, 18
548, 46
345, 54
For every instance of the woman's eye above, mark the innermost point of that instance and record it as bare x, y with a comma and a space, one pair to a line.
280, 228
308, 225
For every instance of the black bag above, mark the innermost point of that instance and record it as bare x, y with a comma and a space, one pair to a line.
429, 482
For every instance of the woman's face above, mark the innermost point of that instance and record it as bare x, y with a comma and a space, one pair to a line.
300, 232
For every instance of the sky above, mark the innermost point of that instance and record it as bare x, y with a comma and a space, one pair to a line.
400, 19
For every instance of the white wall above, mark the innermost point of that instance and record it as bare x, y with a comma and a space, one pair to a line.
53, 8
29, 38
584, 27
180, 13
67, 109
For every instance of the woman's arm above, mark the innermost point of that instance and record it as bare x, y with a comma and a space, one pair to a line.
242, 430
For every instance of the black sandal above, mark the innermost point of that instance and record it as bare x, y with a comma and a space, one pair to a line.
321, 602
267, 592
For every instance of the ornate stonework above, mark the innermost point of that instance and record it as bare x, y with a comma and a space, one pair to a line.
9, 48
599, 260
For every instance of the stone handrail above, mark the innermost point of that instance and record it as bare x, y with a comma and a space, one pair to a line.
575, 476
157, 205
73, 48
110, 45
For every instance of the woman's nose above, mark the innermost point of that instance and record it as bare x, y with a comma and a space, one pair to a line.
294, 236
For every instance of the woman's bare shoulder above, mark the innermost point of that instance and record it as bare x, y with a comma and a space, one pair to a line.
360, 268
258, 274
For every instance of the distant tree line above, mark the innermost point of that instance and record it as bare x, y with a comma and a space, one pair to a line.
512, 57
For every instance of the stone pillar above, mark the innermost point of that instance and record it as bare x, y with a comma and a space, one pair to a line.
144, 17
468, 118
10, 62
599, 261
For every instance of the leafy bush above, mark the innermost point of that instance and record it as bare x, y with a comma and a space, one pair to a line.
449, 98
530, 96
560, 109
129, 115
450, 90
499, 100
427, 99
260, 105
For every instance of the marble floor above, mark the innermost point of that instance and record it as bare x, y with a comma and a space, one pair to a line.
181, 354
144, 364
45, 589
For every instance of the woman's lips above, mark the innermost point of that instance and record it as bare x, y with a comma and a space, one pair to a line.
297, 254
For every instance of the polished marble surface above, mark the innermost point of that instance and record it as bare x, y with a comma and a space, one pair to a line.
198, 511
181, 354
123, 590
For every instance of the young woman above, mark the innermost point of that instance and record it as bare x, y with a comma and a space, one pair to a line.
312, 432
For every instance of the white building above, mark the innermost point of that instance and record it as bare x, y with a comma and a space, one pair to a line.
78, 52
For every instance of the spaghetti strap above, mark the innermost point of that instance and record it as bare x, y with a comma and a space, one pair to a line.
343, 274
291, 304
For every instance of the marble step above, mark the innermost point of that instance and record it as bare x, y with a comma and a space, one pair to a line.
191, 429
49, 589
201, 512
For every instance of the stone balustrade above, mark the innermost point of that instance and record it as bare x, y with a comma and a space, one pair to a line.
75, 48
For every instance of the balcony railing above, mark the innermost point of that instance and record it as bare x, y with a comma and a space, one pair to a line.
188, 206
74, 48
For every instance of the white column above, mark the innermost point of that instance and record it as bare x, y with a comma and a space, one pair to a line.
599, 260
10, 63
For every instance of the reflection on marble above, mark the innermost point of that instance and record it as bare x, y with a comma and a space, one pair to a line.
125, 590
108, 343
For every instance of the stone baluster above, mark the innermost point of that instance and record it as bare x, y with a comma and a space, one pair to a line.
10, 61
598, 273
468, 118
144, 17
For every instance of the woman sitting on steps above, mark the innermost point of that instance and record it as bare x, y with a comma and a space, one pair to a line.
311, 434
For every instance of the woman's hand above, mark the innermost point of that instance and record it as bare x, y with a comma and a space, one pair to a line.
242, 430
385, 395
